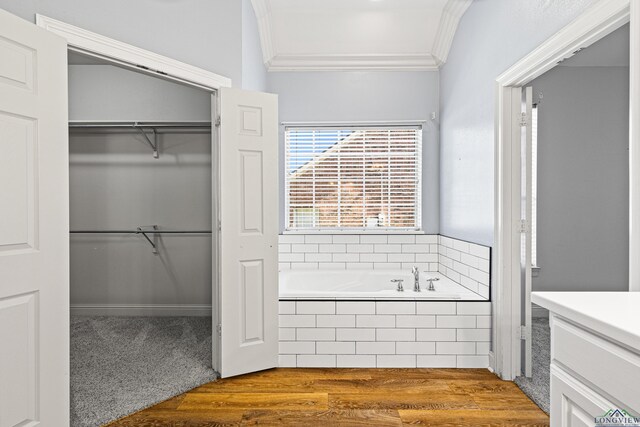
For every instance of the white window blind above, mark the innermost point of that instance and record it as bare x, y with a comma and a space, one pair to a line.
363, 178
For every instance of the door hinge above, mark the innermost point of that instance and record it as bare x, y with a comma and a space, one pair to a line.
218, 121
524, 333
524, 119
219, 329
219, 225
524, 227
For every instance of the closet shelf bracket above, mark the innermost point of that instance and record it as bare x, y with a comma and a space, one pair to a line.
151, 242
153, 144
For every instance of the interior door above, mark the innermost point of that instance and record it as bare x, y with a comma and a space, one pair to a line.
34, 234
248, 232
526, 228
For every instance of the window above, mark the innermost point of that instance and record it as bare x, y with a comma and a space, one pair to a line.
353, 178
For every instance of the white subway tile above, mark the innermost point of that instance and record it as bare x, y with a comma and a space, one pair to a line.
435, 335
344, 257
416, 347
416, 321
415, 248
427, 238
304, 248
395, 361
435, 307
387, 266
402, 257
479, 308
474, 334
336, 347
483, 348
375, 321
461, 246
469, 283
315, 334
346, 239
358, 248
483, 291
455, 347
332, 266
484, 265
373, 257
483, 321
445, 261
387, 248
355, 307
287, 257
453, 275
446, 241
401, 239
433, 267
316, 361
436, 361
291, 238
456, 321
430, 257
359, 266
433, 249
316, 307
453, 254
304, 265
470, 260
284, 266
461, 268
375, 348
287, 360
480, 276
479, 251
356, 361
395, 307
297, 321
332, 248
336, 321
395, 334
355, 334
472, 361
373, 239
311, 238
297, 347
287, 334
284, 247
287, 307
311, 257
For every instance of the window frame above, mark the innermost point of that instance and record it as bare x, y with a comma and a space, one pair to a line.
385, 125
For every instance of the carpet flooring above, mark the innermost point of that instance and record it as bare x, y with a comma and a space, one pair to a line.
120, 365
537, 387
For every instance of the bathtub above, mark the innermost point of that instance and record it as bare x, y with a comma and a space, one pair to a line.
367, 285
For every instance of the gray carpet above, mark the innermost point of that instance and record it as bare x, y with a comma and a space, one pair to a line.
120, 365
537, 387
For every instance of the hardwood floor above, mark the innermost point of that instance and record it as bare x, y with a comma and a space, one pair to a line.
348, 397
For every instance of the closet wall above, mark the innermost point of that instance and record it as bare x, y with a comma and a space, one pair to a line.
115, 184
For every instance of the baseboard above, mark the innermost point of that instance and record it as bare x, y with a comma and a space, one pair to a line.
537, 311
140, 310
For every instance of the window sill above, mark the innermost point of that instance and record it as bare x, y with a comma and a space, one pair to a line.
368, 232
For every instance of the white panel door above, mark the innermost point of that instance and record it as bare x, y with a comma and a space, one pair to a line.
34, 218
248, 231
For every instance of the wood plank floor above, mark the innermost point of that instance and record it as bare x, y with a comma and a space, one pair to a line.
348, 397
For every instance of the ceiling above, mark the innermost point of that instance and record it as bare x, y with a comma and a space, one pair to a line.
357, 34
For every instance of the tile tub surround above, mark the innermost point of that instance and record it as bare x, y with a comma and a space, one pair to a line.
406, 334
465, 263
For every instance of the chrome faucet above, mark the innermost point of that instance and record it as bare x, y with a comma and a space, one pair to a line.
416, 279
431, 280
398, 282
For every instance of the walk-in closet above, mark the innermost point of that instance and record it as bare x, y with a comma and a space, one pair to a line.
140, 177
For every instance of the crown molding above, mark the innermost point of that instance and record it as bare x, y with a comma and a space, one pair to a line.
451, 14
278, 61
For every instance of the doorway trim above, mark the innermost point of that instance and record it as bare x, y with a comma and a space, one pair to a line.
596, 22
141, 60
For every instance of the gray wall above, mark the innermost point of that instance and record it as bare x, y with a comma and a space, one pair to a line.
204, 33
254, 73
365, 96
583, 179
492, 36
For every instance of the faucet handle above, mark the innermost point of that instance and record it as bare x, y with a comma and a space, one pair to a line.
399, 283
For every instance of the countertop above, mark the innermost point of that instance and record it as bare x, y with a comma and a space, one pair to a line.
612, 314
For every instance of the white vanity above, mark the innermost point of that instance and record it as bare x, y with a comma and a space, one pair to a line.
595, 354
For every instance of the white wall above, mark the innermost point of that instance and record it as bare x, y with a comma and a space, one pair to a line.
583, 179
365, 96
254, 73
204, 33
492, 36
